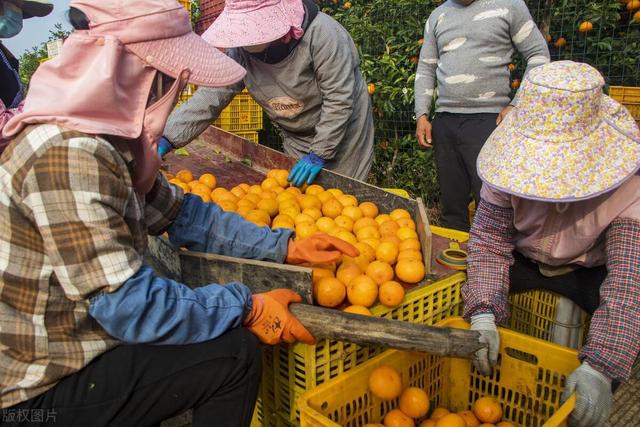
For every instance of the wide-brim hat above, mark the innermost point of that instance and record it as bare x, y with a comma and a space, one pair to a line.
36, 8
254, 22
159, 32
565, 141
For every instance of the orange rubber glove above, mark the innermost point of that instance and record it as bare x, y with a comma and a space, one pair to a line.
319, 248
271, 321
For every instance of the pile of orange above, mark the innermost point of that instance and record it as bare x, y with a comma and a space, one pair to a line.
390, 251
413, 405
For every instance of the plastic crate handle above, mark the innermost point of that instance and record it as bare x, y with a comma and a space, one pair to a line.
562, 414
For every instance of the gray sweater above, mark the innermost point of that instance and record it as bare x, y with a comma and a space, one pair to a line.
467, 50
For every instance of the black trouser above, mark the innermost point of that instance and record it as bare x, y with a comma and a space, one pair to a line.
457, 140
142, 385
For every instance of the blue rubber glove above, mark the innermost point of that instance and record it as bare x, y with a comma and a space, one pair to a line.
164, 146
306, 170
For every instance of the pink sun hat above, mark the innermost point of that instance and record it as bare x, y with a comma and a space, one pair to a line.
566, 141
159, 32
254, 22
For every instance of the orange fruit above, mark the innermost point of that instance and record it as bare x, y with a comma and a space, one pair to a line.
504, 424
561, 42
258, 217
385, 383
348, 200
284, 196
325, 196
636, 17
410, 244
209, 180
352, 212
487, 409
373, 425
180, 184
633, 4
310, 201
357, 309
368, 233
184, 175
347, 236
229, 206
332, 208
414, 402
451, 420
362, 290
228, 196
283, 221
380, 272
269, 183
392, 239
336, 192
243, 211
373, 242
292, 210
410, 254
391, 294
314, 189
329, 292
364, 222
396, 214
252, 197
200, 186
305, 229
405, 233
344, 222
325, 224
387, 252
347, 272
217, 193
396, 418
204, 194
487, 425
439, 413
281, 176
302, 218
168, 175
270, 206
294, 190
428, 423
316, 214
320, 273
469, 418
406, 222
410, 270
255, 189
366, 251
382, 218
268, 195
389, 228
369, 209
361, 260
244, 202
371, 88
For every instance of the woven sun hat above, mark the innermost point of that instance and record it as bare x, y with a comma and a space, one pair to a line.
566, 140
254, 22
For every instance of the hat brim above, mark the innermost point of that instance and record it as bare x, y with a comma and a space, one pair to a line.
565, 171
32, 9
234, 29
209, 67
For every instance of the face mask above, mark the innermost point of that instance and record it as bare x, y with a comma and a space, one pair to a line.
11, 21
256, 48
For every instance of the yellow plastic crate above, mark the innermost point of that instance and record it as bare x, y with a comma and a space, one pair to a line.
629, 97
398, 191
242, 115
300, 367
251, 136
455, 235
528, 382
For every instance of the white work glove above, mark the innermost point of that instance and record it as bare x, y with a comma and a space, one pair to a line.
593, 396
486, 358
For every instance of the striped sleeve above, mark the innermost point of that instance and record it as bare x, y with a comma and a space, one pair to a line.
490, 256
613, 342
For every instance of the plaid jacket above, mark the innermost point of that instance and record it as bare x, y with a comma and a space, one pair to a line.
71, 226
613, 341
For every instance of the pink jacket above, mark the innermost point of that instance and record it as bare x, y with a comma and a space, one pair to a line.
5, 115
567, 233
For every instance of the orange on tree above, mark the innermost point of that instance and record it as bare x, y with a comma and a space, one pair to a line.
515, 84
636, 17
362, 290
469, 418
561, 42
487, 409
451, 420
585, 27
410, 270
347, 5
380, 272
439, 413
385, 383
396, 418
414, 402
371, 88
420, 42
387, 252
391, 294
329, 292
511, 67
633, 5
358, 309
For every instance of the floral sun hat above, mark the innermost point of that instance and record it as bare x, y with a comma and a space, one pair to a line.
566, 140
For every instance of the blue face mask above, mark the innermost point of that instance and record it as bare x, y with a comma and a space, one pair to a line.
11, 21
